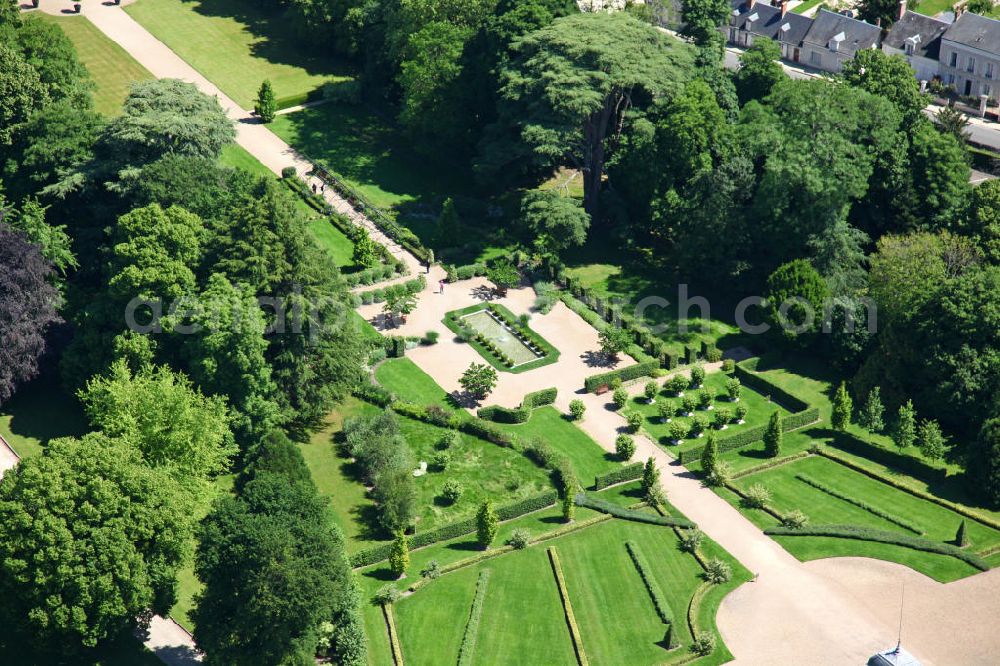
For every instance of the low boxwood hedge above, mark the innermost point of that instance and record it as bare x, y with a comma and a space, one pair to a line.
590, 502
603, 380
456, 529
521, 414
862, 533
574, 630
752, 435
659, 601
874, 510
471, 635
767, 388
629, 472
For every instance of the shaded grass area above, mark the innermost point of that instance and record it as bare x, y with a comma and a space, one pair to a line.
585, 455
334, 241
123, 651
112, 69
40, 411
759, 410
236, 45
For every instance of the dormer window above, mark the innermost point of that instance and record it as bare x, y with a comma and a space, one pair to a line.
911, 44
834, 44
753, 17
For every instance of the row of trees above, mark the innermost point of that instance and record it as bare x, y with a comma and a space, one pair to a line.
384, 455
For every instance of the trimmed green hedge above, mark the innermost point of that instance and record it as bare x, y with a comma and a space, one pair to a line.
375, 394
456, 273
776, 462
594, 382
574, 630
589, 502
471, 635
489, 351
375, 274
861, 533
456, 529
874, 510
659, 601
629, 472
521, 414
752, 435
380, 295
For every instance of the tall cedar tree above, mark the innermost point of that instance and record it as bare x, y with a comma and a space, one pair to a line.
773, 436
486, 524
840, 417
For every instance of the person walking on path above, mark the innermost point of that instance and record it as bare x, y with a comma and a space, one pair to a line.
314, 188
440, 286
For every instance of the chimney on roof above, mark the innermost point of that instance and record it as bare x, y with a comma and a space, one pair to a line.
784, 8
959, 10
750, 4
902, 10
878, 21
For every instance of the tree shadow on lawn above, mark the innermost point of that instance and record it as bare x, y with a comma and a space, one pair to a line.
939, 483
279, 39
42, 410
382, 574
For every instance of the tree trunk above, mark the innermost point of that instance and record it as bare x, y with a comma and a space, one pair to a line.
595, 132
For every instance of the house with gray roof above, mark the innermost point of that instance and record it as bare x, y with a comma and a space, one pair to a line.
833, 39
918, 39
750, 19
969, 57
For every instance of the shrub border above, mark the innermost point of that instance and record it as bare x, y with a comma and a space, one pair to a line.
574, 630
588, 502
521, 414
625, 473
390, 623
471, 634
861, 533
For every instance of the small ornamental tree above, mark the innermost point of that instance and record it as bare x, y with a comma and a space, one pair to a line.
709, 456
741, 413
478, 380
620, 397
870, 416
650, 391
614, 340
687, 404
577, 409
650, 475
486, 524
698, 424
722, 418
904, 433
842, 408
399, 304
931, 440
697, 376
504, 275
634, 420
365, 250
399, 555
704, 399
266, 106
961, 538
678, 431
665, 410
733, 389
624, 447
677, 384
772, 436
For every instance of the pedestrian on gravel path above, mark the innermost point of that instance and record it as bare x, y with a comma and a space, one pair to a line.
440, 286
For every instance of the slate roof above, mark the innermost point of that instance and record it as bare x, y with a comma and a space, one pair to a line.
923, 31
790, 29
976, 31
855, 35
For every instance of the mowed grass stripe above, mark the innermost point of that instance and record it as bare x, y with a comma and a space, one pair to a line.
430, 631
523, 617
111, 67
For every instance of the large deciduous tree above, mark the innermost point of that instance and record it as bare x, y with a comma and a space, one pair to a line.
91, 538
890, 76
759, 70
557, 222
27, 308
21, 91
575, 84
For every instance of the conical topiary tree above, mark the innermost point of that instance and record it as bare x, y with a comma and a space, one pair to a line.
399, 556
842, 408
772, 436
266, 106
486, 524
709, 456
650, 475
961, 538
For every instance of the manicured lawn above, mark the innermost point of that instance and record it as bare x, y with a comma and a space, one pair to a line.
932, 7
112, 69
38, 412
236, 45
805, 6
234, 155
522, 614
409, 382
935, 522
758, 406
586, 455
334, 241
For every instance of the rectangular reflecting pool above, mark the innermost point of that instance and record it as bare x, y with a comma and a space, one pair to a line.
506, 340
